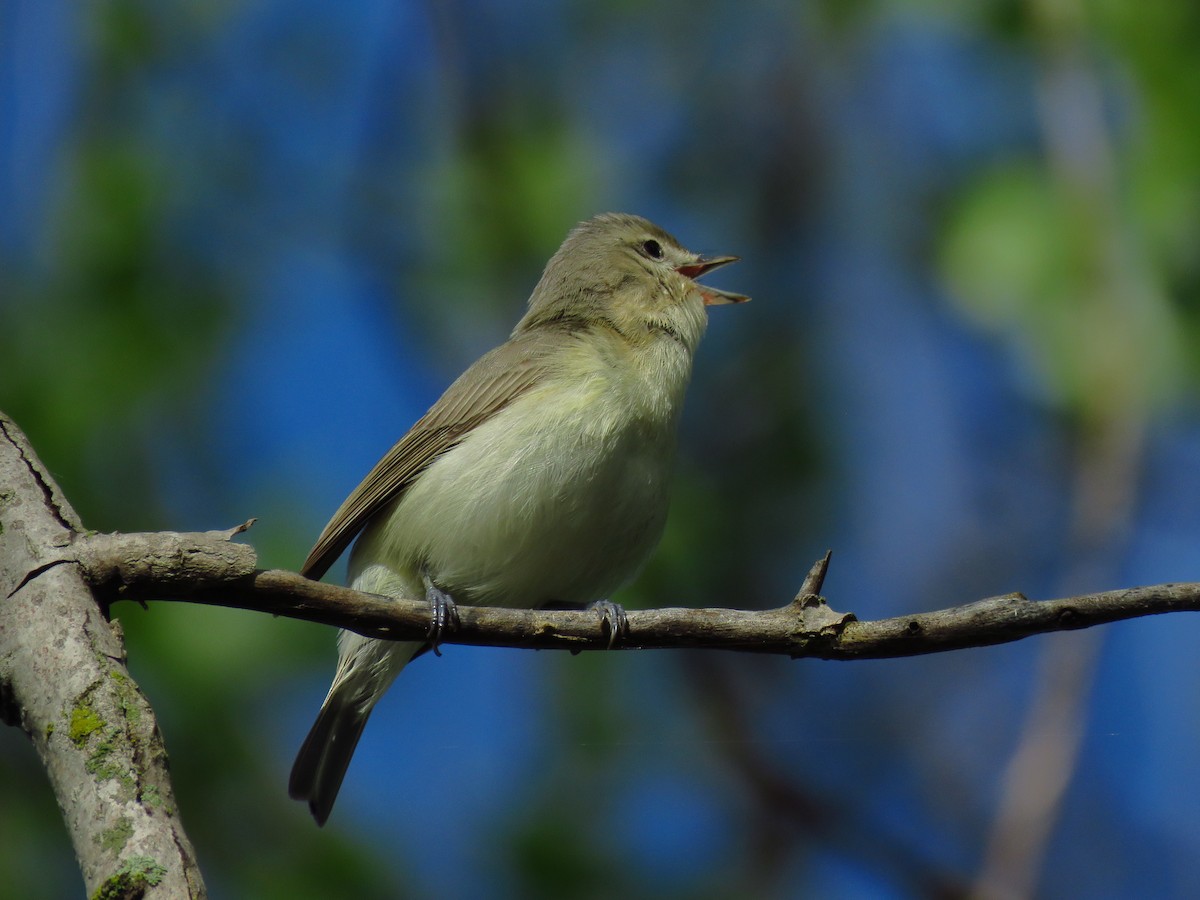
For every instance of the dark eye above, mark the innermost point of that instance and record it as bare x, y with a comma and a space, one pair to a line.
653, 249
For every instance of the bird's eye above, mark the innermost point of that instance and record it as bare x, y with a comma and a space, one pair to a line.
653, 249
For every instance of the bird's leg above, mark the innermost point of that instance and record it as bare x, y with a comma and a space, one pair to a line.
613, 616
443, 613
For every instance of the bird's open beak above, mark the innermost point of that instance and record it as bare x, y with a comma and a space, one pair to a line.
712, 296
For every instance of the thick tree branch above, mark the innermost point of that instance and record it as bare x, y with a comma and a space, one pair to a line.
64, 682
138, 567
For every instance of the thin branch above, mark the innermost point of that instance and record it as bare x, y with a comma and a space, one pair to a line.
132, 567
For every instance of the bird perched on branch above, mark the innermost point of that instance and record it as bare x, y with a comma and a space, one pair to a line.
539, 478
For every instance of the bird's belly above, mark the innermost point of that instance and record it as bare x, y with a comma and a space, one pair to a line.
527, 512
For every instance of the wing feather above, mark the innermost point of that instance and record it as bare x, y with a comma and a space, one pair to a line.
492, 383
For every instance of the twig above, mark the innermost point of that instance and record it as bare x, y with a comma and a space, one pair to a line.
218, 572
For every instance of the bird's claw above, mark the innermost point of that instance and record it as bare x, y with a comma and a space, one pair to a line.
443, 614
613, 617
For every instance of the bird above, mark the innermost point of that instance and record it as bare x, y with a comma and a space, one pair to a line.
539, 478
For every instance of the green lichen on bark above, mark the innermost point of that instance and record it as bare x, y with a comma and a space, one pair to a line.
114, 839
152, 797
131, 880
101, 764
84, 721
105, 761
127, 697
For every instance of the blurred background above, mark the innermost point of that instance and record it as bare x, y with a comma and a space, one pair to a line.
244, 245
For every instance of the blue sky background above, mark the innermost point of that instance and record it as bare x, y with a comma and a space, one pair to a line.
243, 247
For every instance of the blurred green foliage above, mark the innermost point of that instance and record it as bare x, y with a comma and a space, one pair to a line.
119, 318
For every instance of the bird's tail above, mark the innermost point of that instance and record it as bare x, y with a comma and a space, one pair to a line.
325, 755
366, 668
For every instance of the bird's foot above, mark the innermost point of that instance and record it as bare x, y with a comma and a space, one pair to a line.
443, 613
613, 616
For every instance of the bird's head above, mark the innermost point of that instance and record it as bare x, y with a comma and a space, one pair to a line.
626, 272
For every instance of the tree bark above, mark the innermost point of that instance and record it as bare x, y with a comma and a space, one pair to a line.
64, 682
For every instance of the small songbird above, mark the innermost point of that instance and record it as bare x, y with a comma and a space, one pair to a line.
540, 477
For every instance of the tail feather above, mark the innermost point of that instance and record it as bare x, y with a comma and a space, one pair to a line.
366, 667
325, 755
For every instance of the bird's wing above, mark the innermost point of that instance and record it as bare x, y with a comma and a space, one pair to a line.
493, 382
